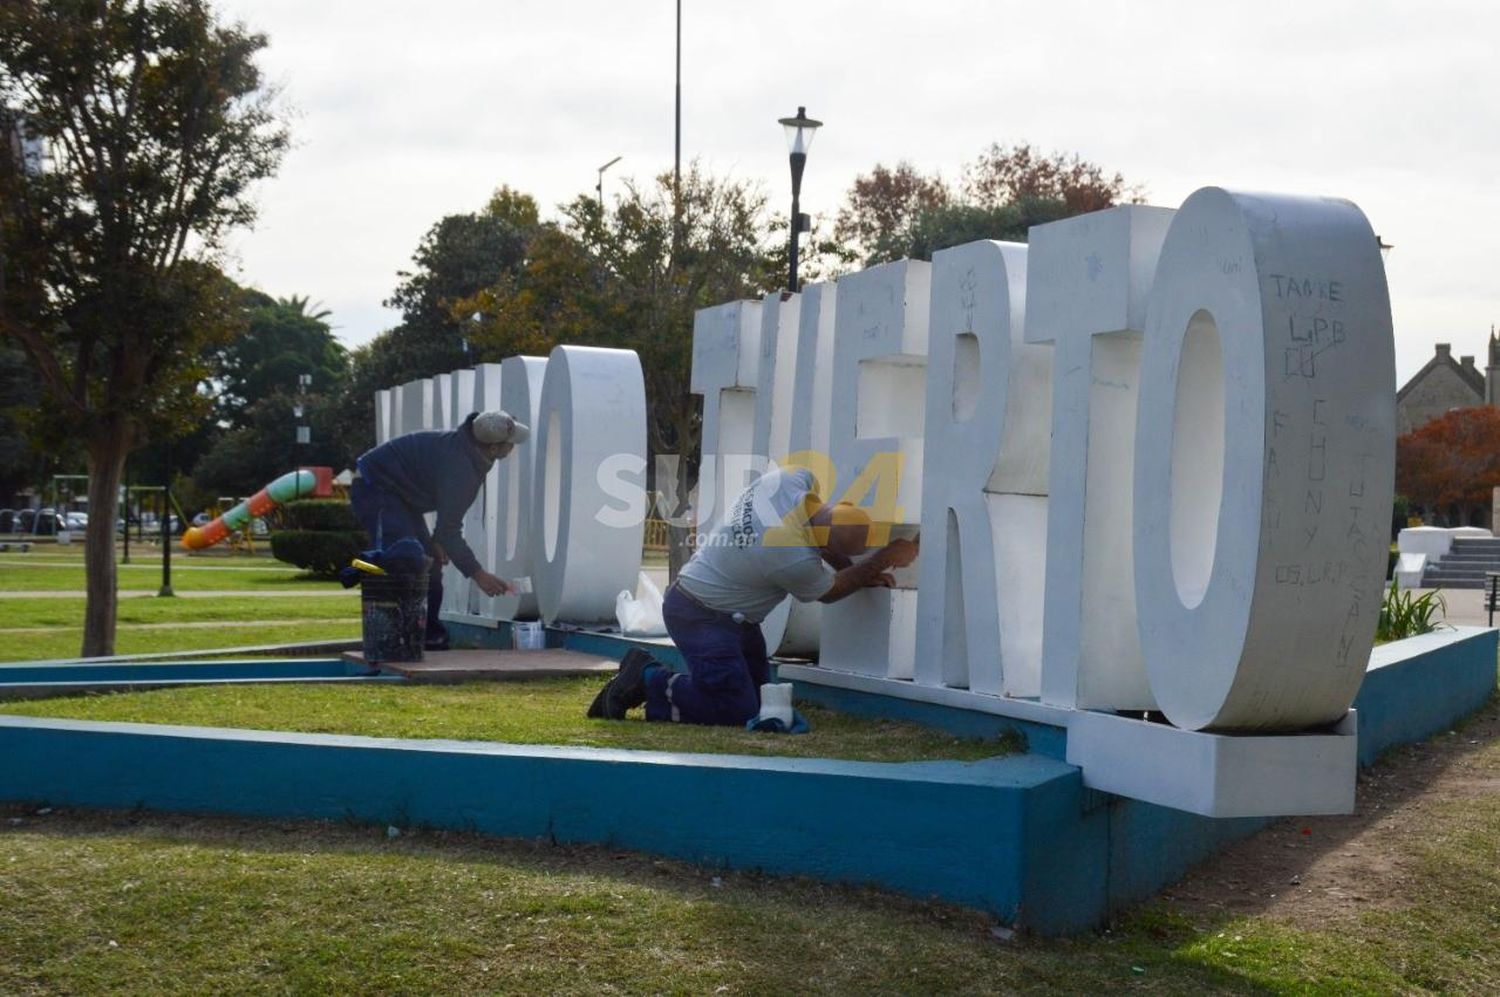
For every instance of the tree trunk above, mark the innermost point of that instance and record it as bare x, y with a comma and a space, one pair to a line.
106, 462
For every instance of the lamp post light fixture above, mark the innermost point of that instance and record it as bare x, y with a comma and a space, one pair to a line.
799, 136
600, 185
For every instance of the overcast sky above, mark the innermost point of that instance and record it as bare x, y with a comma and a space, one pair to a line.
403, 112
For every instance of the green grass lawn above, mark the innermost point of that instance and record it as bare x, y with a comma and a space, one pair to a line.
46, 628
19, 575
52, 627
547, 711
149, 904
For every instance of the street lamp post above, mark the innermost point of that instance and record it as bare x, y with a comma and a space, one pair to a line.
304, 432
600, 186
799, 136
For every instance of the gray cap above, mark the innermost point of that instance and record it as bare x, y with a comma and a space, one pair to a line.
499, 427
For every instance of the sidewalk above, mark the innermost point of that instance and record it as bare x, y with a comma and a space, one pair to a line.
1465, 607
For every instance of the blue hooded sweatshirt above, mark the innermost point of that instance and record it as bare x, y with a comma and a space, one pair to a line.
434, 472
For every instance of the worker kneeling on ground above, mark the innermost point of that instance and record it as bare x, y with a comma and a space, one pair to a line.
780, 538
403, 479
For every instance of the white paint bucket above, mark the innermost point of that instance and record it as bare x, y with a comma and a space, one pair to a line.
528, 636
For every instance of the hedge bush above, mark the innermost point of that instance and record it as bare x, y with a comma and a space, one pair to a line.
323, 552
320, 514
322, 536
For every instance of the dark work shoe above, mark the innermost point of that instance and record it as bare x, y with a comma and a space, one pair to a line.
436, 642
626, 690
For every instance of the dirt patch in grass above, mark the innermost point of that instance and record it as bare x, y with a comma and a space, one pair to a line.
1316, 872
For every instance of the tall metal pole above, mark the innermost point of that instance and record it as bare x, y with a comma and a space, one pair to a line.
125, 518
677, 148
166, 527
799, 160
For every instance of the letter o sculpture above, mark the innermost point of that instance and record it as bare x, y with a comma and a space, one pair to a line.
1264, 462
593, 408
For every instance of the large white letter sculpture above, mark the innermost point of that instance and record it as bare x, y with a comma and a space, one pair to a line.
984, 506
746, 423
875, 442
592, 411
464, 395
1264, 461
1087, 286
514, 542
726, 355
1209, 468
567, 508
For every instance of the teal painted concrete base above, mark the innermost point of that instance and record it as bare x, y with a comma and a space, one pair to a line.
1018, 836
978, 833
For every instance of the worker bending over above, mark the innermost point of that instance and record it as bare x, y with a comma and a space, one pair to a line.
780, 538
403, 479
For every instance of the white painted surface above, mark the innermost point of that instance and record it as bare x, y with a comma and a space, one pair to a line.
382, 415
460, 597
726, 358
811, 403
397, 408
1263, 483
1217, 775
516, 527
416, 406
1435, 541
776, 375
1409, 570
589, 489
442, 401
812, 386
983, 492
875, 428
1088, 281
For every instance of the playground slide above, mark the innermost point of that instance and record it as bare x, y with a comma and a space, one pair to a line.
304, 483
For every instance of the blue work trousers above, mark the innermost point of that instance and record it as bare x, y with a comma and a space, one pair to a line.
726, 666
387, 519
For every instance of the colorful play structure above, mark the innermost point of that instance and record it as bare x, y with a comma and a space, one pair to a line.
306, 482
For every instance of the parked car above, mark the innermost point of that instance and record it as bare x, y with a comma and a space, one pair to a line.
45, 524
25, 520
8, 520
76, 521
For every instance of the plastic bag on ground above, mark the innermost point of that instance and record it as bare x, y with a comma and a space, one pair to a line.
640, 616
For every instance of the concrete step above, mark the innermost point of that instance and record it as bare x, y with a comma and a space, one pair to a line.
1433, 579
1449, 570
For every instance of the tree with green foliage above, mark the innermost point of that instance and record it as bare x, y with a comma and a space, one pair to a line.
632, 275
896, 213
458, 258
20, 461
156, 126
244, 458
282, 341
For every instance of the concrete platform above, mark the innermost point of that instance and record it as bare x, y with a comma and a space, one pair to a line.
485, 664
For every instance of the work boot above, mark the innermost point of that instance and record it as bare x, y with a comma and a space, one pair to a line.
626, 690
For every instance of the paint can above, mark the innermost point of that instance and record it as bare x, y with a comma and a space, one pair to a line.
528, 636
394, 609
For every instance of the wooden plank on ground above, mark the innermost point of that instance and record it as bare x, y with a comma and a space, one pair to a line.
480, 664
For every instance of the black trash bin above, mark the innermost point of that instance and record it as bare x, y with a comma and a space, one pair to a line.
395, 616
